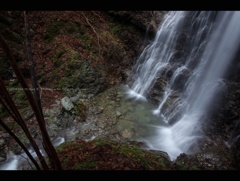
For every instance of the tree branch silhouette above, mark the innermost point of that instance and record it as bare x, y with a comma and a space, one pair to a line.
47, 144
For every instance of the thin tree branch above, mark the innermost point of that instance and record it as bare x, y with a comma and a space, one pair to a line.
11, 113
20, 143
18, 118
31, 100
27, 160
93, 30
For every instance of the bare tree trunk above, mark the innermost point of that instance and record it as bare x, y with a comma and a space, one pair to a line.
46, 140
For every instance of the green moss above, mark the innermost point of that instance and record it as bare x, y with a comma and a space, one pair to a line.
88, 155
79, 74
102, 141
145, 158
62, 83
117, 29
62, 146
22, 136
87, 40
87, 165
72, 64
20, 95
57, 54
13, 83
17, 94
20, 98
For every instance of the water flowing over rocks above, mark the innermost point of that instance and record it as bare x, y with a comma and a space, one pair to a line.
111, 114
99, 109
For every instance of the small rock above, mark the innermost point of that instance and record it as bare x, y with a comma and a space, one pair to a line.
67, 103
74, 99
118, 114
2, 142
127, 133
112, 103
5, 135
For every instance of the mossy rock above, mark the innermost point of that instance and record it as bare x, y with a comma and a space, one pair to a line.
80, 75
104, 154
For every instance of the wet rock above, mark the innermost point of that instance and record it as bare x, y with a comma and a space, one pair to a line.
74, 99
144, 20
72, 134
161, 154
55, 111
127, 133
216, 157
118, 114
95, 110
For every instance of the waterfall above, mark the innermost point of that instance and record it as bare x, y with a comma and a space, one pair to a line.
191, 52
148, 64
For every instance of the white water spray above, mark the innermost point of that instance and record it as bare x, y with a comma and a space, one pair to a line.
208, 43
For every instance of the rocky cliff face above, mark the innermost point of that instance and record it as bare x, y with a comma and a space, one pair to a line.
226, 117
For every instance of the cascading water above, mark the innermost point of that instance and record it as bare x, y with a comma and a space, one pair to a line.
192, 52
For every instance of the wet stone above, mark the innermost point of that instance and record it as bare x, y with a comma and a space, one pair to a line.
127, 133
74, 99
67, 103
118, 114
